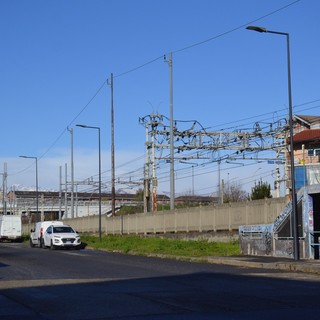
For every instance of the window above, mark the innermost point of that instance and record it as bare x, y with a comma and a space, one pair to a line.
313, 152
62, 229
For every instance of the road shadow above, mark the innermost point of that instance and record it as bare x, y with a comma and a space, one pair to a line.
205, 295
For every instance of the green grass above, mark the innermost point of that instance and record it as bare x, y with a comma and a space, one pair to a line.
160, 246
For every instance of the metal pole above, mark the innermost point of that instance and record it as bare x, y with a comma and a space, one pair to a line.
4, 189
172, 191
72, 174
219, 180
193, 180
37, 188
76, 200
154, 178
13, 201
113, 192
293, 188
60, 192
146, 191
99, 186
3, 198
65, 192
99, 146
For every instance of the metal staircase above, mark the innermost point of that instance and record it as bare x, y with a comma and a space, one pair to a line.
286, 212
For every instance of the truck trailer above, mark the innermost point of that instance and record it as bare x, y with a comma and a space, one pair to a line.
10, 228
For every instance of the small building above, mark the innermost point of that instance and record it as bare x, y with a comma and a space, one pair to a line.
276, 239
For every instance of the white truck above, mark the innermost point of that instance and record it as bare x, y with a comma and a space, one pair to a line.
10, 228
36, 235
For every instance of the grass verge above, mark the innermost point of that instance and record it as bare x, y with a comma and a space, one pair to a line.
160, 246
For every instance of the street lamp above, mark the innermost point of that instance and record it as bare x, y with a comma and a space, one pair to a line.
97, 128
293, 189
37, 193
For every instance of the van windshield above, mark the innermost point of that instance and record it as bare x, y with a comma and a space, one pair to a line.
62, 229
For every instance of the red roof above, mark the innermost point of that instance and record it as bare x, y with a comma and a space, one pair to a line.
307, 135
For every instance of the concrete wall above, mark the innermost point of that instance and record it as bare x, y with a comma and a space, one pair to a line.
227, 217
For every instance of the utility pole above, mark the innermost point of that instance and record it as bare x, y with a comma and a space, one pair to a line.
222, 190
4, 189
219, 182
60, 192
146, 190
72, 174
113, 192
154, 179
151, 122
38, 215
172, 191
66, 192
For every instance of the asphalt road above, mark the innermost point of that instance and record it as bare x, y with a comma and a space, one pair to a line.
68, 284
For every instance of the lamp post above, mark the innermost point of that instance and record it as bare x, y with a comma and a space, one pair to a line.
37, 191
72, 173
113, 179
293, 189
97, 128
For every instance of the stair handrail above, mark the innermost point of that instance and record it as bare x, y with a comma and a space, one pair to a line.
285, 213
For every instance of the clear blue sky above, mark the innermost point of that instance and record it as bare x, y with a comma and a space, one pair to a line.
56, 56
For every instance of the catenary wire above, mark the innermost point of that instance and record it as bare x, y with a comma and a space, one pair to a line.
156, 59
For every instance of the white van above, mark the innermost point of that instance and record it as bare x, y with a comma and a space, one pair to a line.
36, 235
10, 228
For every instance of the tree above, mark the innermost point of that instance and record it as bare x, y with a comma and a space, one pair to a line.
260, 191
234, 193
139, 195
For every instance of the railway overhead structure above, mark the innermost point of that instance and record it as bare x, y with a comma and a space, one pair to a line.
195, 143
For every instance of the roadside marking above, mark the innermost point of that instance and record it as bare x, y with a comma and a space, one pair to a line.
14, 284
74, 253
284, 275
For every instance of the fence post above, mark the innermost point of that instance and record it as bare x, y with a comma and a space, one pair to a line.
175, 221
229, 216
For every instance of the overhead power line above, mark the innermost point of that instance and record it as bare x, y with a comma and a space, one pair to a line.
158, 58
236, 28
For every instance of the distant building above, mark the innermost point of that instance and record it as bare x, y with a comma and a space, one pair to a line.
196, 200
52, 204
306, 141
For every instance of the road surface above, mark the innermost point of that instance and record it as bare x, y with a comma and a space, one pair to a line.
69, 284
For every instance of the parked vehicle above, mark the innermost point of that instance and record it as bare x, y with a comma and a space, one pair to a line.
10, 228
61, 236
36, 235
